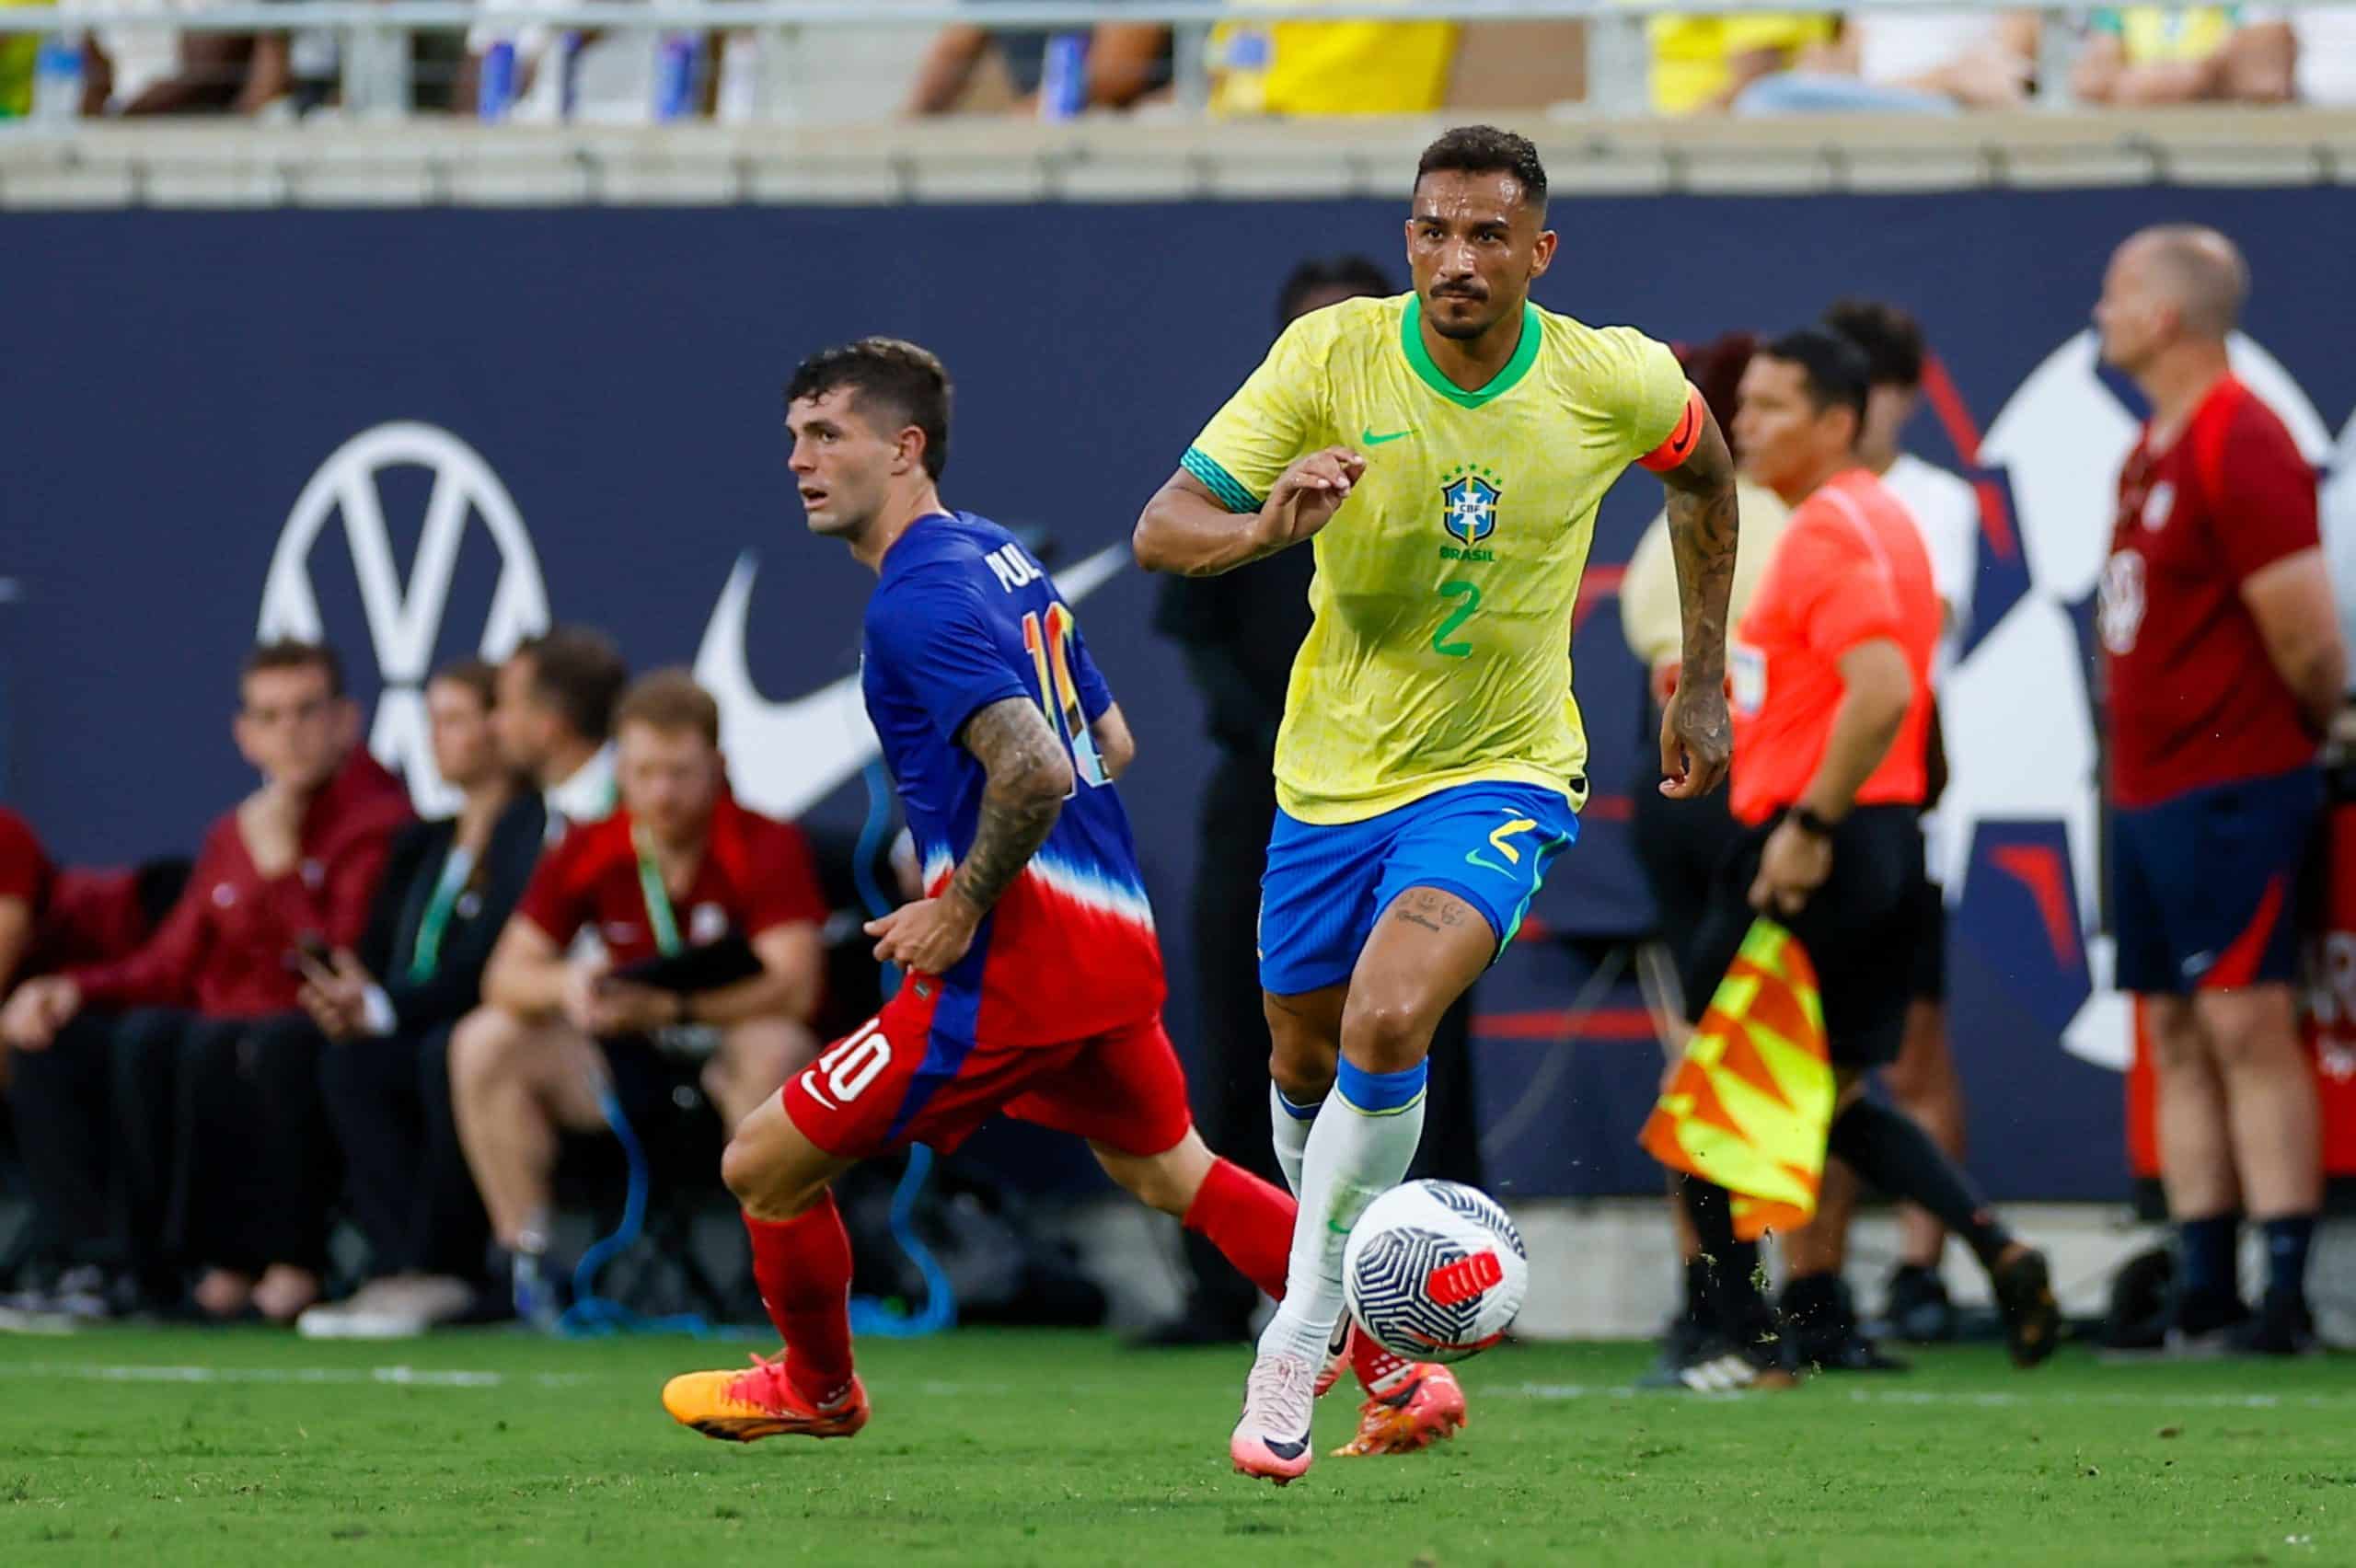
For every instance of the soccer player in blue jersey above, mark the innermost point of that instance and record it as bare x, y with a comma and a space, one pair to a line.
1034, 980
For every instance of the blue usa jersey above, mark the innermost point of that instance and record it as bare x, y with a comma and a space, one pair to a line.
964, 617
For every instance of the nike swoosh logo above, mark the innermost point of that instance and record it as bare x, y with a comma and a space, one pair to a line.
1285, 1451
784, 757
1367, 437
1474, 857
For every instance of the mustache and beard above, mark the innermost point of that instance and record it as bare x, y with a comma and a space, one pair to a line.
1472, 294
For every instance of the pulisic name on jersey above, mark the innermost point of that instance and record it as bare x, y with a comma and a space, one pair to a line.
1014, 568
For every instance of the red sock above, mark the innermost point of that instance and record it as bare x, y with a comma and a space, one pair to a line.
1377, 1368
1248, 1221
802, 1266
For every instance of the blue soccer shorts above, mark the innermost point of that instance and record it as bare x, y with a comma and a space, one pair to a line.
2204, 886
1326, 886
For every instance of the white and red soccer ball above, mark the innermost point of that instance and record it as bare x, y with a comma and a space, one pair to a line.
1434, 1271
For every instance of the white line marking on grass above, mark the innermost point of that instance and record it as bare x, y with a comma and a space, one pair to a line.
1960, 1396
401, 1377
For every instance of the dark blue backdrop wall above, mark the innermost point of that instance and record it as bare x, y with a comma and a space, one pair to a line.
175, 380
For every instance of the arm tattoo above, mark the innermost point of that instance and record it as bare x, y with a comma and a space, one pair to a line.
1702, 530
1028, 774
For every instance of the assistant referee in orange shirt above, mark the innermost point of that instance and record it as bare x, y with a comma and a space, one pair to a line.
1831, 676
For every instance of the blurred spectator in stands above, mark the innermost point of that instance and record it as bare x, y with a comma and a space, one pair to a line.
167, 1104
1908, 61
2224, 668
1701, 64
681, 878
18, 52
141, 69
2322, 44
555, 714
592, 77
1238, 633
447, 890
2156, 54
1330, 68
1125, 61
1679, 843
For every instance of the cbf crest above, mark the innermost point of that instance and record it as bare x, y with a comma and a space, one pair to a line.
1469, 495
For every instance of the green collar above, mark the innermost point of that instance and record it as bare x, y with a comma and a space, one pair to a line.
1419, 358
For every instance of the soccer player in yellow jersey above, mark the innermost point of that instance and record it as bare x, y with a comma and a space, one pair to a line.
1446, 451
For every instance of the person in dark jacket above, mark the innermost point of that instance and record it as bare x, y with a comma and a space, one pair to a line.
388, 1008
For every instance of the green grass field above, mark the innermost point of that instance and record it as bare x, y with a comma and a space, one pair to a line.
136, 1447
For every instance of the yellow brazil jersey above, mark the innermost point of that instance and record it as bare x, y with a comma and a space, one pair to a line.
2156, 34
1330, 68
1693, 56
1440, 651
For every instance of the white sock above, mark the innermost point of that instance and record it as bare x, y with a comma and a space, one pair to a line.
1359, 1147
1289, 1125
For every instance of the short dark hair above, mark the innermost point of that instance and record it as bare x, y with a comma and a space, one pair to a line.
577, 671
1321, 274
292, 653
670, 701
908, 381
1833, 369
477, 675
1889, 333
1485, 149
1715, 370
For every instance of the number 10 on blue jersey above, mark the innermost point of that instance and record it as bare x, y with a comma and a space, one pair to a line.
1049, 640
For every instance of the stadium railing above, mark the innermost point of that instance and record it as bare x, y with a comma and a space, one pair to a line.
422, 163
371, 64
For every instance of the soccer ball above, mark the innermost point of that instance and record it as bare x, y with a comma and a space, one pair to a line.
1434, 1271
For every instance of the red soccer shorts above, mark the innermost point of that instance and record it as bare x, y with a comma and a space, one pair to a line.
897, 1080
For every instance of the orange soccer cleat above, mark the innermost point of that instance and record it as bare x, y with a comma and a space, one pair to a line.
1421, 1409
741, 1407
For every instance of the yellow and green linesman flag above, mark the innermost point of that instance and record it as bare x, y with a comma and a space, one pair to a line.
1751, 1103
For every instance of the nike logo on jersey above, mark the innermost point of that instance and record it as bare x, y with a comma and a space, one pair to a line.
1367, 437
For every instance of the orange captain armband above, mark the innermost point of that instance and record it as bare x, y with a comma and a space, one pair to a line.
1672, 453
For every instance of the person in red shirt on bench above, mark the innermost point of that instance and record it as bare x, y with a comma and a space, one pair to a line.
2223, 666
24, 888
183, 1079
567, 1032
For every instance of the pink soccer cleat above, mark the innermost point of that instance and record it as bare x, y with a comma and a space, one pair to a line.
1272, 1440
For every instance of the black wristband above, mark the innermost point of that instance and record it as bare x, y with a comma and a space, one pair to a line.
1810, 824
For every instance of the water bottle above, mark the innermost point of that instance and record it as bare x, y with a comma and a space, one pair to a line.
57, 80
674, 78
495, 92
1063, 76
568, 75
